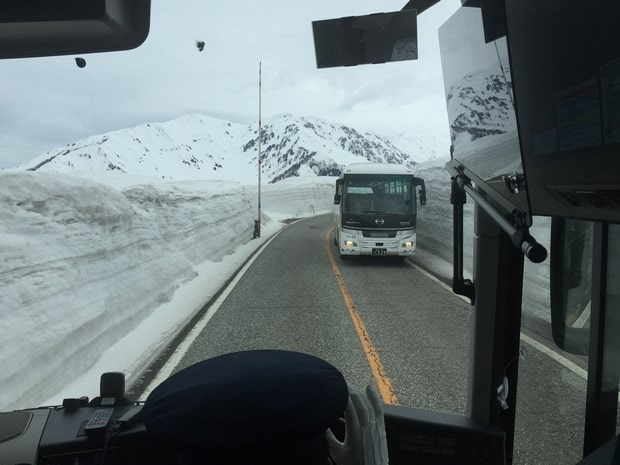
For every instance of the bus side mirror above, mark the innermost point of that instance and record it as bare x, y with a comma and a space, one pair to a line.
338, 194
571, 283
422, 196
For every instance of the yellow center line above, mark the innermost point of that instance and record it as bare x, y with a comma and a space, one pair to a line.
383, 381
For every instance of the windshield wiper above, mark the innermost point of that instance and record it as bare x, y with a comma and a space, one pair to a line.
364, 212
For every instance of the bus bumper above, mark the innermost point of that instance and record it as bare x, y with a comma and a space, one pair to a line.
400, 246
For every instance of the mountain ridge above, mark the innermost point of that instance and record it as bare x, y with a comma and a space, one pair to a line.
201, 147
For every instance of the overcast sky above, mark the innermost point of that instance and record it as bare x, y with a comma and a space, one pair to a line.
50, 102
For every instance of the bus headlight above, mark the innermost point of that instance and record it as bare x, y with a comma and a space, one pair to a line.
350, 244
407, 245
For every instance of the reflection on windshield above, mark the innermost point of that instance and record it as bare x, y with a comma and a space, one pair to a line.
391, 195
385, 204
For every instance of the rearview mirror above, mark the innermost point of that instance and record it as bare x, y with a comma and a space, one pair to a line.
31, 28
357, 40
571, 283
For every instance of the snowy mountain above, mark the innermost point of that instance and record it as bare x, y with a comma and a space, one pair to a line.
200, 147
480, 105
421, 147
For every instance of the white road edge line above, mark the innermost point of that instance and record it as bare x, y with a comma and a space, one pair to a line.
182, 348
555, 356
524, 337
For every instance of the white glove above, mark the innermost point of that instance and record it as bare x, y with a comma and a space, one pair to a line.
364, 441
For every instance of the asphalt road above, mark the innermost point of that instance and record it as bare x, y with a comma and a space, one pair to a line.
415, 335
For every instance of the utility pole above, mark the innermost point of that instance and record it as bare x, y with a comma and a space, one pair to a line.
257, 224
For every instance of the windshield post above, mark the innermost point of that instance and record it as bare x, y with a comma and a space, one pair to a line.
603, 354
496, 323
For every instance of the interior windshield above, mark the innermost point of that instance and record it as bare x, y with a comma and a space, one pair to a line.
176, 202
135, 184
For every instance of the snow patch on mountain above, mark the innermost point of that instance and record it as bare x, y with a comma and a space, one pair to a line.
480, 105
204, 148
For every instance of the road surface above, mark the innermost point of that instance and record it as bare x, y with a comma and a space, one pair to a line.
386, 323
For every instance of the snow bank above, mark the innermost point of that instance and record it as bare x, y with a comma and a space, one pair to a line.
97, 276
84, 263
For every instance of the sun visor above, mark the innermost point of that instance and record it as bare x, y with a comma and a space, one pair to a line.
31, 28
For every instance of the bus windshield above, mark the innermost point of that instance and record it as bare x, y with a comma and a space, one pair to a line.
386, 194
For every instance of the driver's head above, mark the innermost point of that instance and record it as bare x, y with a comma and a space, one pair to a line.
251, 407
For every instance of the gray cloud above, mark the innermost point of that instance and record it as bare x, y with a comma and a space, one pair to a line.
49, 102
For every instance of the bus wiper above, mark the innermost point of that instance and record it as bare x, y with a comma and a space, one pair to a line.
364, 212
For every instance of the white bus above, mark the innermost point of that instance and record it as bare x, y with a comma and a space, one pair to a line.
376, 210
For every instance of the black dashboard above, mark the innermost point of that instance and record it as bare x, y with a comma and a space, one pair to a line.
56, 436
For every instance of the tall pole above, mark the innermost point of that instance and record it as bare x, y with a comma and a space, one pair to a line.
259, 154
